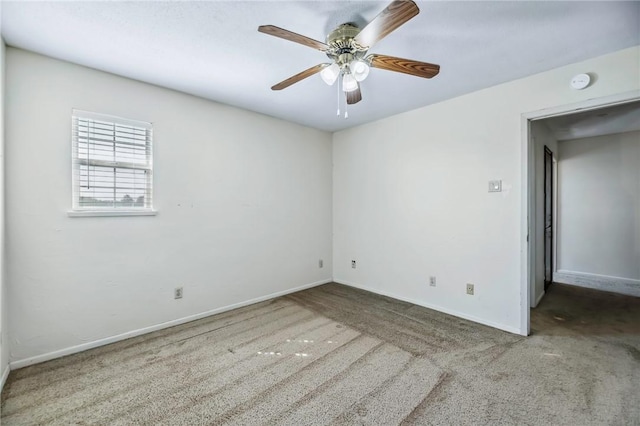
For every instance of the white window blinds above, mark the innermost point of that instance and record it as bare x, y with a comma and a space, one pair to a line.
112, 162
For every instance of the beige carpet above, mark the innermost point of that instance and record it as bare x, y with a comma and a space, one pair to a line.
336, 355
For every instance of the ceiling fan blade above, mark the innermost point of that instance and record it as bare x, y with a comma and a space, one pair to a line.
354, 96
394, 15
300, 76
407, 66
291, 36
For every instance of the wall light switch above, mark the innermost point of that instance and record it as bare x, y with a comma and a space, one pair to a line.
495, 186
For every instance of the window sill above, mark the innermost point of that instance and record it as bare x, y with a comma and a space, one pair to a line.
105, 213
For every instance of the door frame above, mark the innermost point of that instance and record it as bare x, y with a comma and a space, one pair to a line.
552, 175
528, 201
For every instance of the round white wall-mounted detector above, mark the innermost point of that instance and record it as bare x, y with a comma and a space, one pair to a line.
580, 81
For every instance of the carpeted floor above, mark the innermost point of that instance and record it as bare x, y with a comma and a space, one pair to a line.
336, 355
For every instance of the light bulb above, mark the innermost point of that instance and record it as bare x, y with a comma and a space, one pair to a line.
359, 69
349, 83
330, 74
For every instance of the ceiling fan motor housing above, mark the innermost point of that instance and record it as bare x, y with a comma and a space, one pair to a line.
342, 45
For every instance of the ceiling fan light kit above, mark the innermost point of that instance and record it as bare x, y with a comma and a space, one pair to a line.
359, 69
347, 48
349, 83
330, 74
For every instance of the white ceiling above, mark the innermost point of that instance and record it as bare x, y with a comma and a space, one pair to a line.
604, 121
213, 49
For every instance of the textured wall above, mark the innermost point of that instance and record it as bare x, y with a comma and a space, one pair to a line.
243, 200
411, 200
599, 206
4, 323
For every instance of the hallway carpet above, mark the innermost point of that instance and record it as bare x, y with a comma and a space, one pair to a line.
334, 355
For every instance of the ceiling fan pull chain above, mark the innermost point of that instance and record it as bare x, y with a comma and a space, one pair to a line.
346, 113
338, 111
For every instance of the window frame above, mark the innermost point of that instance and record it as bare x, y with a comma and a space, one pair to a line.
78, 210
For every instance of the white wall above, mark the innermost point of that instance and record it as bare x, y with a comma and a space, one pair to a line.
244, 205
4, 332
541, 137
411, 200
599, 210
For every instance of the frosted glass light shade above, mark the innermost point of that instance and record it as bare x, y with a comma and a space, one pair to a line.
330, 74
359, 69
349, 83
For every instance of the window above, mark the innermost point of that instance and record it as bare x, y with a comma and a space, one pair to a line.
112, 165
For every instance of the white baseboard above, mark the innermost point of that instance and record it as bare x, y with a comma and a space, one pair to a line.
5, 375
499, 326
599, 282
133, 333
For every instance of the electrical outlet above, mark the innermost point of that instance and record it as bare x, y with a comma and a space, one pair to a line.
320, 263
177, 293
432, 281
353, 264
470, 289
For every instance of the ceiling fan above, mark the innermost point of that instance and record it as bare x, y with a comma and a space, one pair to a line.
347, 47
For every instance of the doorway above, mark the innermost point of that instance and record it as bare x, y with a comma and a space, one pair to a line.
539, 228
